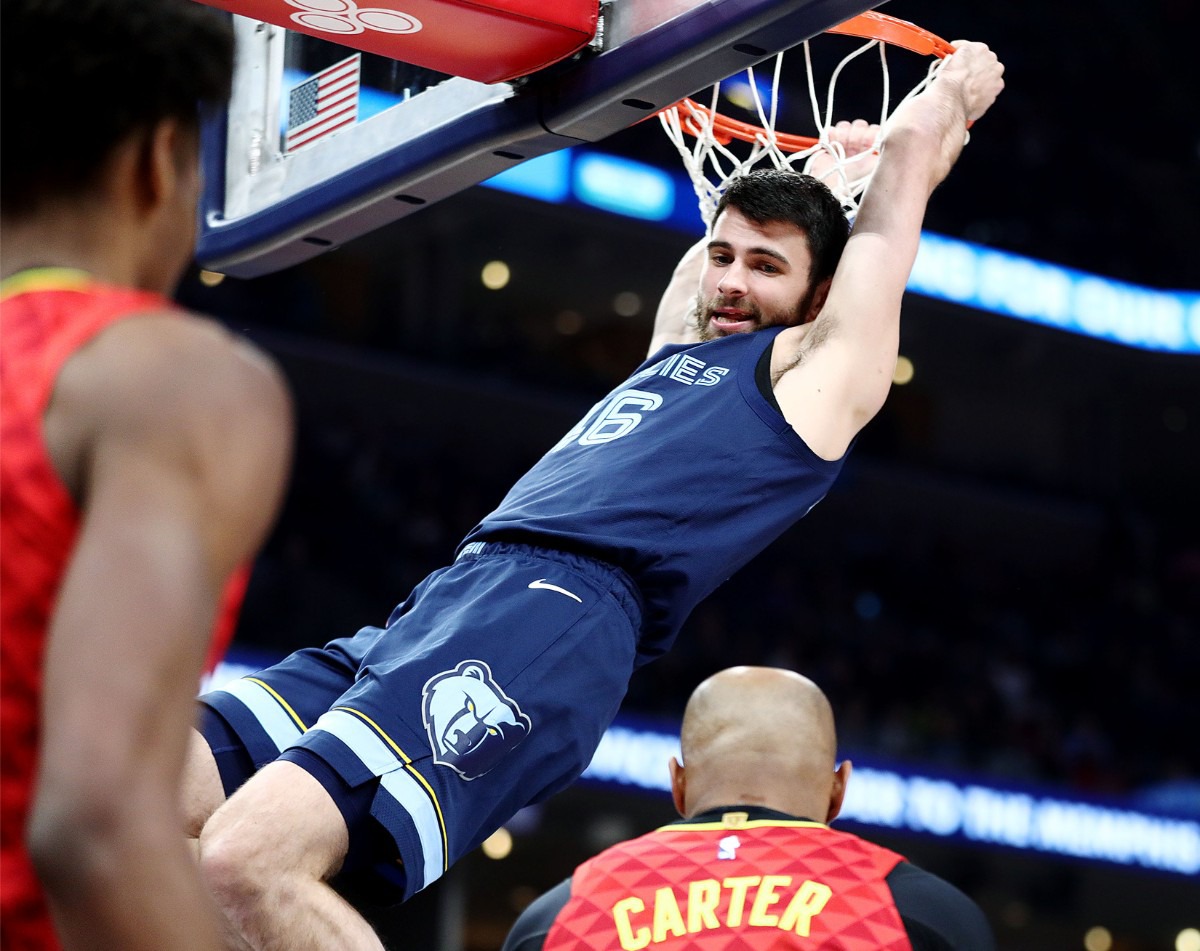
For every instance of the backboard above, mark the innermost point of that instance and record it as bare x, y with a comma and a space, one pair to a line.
288, 178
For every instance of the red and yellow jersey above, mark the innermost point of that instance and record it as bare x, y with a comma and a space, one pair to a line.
45, 317
734, 884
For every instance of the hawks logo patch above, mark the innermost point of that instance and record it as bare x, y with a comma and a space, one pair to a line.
472, 723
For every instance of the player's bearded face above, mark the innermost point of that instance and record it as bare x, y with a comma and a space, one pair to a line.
758, 274
742, 315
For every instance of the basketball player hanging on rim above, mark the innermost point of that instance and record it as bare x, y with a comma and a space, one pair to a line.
393, 752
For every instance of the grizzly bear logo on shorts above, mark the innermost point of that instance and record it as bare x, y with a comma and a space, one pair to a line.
472, 723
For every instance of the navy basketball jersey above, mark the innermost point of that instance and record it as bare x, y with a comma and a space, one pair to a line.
679, 477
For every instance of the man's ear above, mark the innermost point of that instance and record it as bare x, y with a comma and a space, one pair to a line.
841, 777
816, 300
158, 160
678, 786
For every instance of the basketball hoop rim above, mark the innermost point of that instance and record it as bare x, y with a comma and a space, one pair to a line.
868, 26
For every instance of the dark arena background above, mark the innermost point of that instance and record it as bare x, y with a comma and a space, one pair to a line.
1001, 595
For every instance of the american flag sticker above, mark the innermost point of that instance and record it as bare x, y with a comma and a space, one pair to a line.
323, 104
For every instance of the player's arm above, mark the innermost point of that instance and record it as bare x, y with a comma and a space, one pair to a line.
674, 322
936, 915
837, 371
180, 442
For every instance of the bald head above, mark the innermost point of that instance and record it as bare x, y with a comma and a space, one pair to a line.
759, 736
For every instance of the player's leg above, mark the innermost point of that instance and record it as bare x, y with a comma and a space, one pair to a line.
201, 792
491, 692
268, 855
247, 723
243, 726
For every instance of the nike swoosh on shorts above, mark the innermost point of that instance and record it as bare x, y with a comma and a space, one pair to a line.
541, 583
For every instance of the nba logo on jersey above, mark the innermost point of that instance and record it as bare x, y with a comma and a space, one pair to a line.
470, 720
728, 846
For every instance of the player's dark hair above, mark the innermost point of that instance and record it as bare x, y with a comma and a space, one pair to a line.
773, 194
77, 77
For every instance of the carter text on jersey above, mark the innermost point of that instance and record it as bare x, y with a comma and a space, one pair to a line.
709, 904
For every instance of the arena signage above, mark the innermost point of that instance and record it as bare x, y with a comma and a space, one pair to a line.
634, 757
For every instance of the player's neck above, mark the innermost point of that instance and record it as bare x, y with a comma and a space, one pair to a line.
70, 240
784, 797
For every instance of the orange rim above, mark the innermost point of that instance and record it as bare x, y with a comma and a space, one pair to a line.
868, 26
894, 32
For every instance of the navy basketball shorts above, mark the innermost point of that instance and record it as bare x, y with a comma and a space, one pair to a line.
488, 690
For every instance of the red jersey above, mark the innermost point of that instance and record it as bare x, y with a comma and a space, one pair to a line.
736, 884
45, 317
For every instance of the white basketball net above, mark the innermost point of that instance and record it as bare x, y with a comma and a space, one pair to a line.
712, 165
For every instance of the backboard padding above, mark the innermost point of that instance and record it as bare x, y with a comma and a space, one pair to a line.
264, 210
